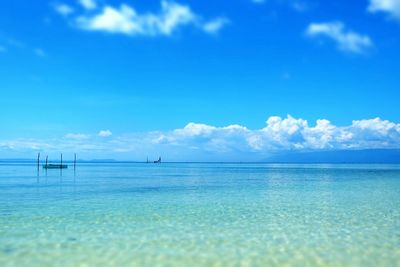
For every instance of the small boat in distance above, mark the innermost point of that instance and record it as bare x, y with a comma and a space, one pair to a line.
158, 161
55, 166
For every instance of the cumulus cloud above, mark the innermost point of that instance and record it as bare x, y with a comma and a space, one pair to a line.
105, 133
88, 4
278, 135
287, 134
126, 20
63, 9
392, 7
346, 40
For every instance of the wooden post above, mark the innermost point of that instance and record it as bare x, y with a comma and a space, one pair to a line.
61, 167
47, 161
38, 162
74, 168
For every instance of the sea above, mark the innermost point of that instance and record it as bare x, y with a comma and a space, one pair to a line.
200, 214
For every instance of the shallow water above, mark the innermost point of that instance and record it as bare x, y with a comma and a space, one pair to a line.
200, 215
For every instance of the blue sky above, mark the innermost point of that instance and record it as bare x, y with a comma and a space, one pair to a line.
141, 71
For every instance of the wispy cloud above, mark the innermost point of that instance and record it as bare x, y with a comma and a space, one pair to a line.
258, 1
88, 4
126, 20
12, 44
25, 145
300, 6
392, 7
39, 52
63, 9
346, 40
15, 43
297, 5
215, 25
105, 133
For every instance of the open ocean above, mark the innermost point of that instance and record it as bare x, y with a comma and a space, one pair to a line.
178, 214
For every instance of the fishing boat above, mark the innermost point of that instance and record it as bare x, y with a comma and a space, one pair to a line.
55, 166
158, 161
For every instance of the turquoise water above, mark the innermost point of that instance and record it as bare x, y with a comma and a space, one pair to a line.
200, 215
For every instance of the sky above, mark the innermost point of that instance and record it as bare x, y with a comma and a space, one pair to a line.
198, 80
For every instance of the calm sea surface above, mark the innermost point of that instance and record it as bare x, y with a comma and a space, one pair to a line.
200, 215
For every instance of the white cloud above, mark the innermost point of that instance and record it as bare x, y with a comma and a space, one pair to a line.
88, 4
392, 7
126, 20
287, 134
63, 9
105, 133
278, 135
346, 40
215, 25
112, 20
